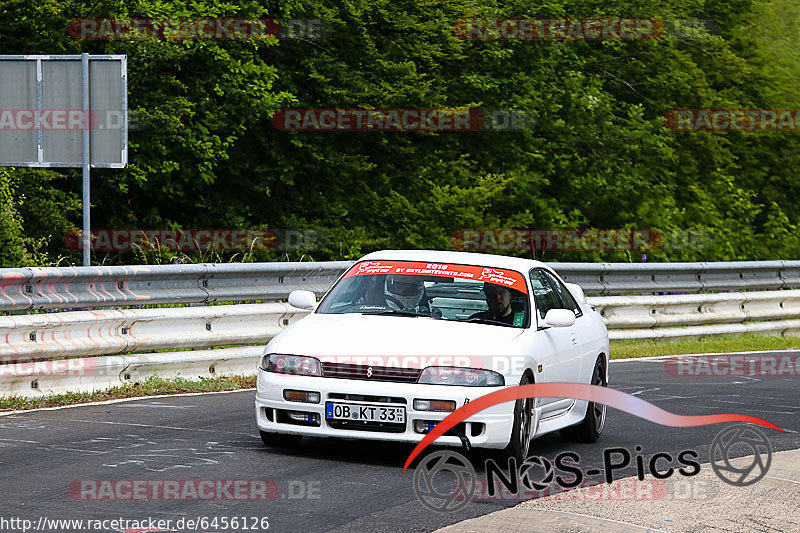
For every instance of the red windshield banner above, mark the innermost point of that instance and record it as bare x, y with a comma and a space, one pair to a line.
500, 276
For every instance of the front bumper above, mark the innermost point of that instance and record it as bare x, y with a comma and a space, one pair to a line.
491, 428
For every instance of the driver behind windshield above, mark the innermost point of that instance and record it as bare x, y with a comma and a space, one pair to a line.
406, 294
498, 298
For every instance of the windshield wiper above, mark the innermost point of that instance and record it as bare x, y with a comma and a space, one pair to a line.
394, 312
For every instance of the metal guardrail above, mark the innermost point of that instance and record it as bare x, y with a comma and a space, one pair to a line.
117, 331
108, 336
32, 379
106, 339
641, 278
119, 286
124, 331
683, 315
624, 312
102, 342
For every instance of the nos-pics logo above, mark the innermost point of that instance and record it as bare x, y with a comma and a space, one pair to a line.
433, 471
446, 481
728, 449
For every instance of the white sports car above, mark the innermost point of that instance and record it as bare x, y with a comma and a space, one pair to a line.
403, 338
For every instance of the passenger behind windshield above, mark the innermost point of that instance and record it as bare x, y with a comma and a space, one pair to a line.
405, 293
498, 298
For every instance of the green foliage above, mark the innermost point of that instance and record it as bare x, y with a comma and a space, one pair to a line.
745, 342
12, 240
149, 386
596, 155
18, 247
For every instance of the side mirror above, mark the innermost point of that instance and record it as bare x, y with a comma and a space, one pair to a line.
303, 299
559, 318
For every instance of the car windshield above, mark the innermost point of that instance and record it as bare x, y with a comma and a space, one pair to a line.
440, 291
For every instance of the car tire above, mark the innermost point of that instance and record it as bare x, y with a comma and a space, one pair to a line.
592, 425
519, 445
279, 440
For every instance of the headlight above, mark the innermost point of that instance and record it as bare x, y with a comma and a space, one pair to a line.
466, 377
291, 364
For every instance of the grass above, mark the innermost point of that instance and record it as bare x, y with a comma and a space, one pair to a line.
623, 349
152, 386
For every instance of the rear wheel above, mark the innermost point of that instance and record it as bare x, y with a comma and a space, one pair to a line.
280, 440
522, 430
592, 425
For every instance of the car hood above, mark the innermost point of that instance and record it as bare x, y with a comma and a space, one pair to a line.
363, 335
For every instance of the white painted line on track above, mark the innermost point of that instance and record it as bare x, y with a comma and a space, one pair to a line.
108, 422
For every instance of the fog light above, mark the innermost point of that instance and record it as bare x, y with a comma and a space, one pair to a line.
424, 426
300, 396
435, 405
306, 418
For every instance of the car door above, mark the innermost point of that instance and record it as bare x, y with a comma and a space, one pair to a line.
560, 346
569, 302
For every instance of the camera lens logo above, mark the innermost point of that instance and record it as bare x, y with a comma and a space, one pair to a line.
446, 464
731, 442
535, 464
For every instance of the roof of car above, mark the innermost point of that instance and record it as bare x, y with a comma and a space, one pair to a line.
458, 258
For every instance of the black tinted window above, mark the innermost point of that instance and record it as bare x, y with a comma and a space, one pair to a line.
566, 298
544, 293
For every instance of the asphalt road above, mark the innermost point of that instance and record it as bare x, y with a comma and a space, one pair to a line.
325, 484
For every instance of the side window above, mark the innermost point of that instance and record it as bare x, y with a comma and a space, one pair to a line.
544, 294
565, 296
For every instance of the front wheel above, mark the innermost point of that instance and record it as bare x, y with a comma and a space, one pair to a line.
522, 430
592, 425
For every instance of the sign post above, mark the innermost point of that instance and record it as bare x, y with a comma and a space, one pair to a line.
46, 101
87, 227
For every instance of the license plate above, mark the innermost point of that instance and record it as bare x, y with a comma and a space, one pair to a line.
367, 413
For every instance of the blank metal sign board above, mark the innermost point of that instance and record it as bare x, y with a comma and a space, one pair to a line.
41, 111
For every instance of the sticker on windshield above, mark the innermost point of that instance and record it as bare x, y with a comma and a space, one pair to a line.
371, 267
499, 276
492, 275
